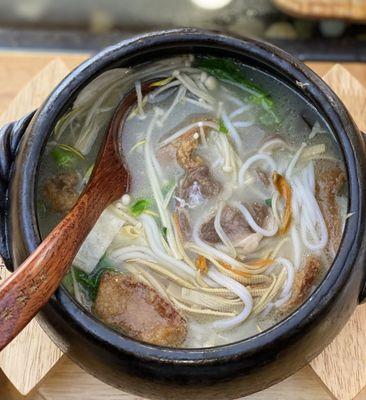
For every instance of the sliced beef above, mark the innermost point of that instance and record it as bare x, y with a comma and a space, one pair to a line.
183, 221
197, 185
168, 153
234, 224
305, 279
208, 232
330, 179
185, 151
59, 191
263, 176
138, 311
259, 212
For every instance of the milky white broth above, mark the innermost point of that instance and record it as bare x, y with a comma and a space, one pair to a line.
265, 151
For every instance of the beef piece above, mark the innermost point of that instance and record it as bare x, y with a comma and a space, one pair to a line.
138, 311
198, 185
208, 232
169, 152
259, 212
185, 153
59, 191
233, 224
304, 281
184, 224
330, 178
263, 176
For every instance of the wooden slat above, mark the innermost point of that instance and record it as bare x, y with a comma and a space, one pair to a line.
85, 387
17, 69
32, 354
335, 9
342, 365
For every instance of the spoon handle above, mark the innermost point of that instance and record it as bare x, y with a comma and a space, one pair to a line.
30, 287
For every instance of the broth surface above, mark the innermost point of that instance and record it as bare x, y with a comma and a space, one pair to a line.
236, 210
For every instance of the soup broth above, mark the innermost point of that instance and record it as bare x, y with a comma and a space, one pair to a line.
237, 204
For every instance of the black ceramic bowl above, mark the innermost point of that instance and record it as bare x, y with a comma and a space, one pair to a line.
222, 372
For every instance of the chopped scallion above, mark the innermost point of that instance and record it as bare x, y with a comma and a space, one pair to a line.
139, 206
164, 231
222, 127
65, 155
230, 71
90, 282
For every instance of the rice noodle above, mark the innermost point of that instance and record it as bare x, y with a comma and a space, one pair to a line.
296, 246
240, 111
294, 160
265, 232
251, 160
310, 218
221, 233
241, 292
290, 275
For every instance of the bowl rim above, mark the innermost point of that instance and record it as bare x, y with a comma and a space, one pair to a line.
312, 87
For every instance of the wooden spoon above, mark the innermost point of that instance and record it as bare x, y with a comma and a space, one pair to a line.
29, 288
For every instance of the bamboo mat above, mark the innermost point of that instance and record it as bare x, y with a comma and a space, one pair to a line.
34, 367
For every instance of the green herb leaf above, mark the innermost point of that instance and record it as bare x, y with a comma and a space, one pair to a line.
139, 206
61, 158
268, 202
222, 127
230, 71
90, 282
164, 231
65, 155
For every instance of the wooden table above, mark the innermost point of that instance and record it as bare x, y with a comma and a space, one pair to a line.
66, 381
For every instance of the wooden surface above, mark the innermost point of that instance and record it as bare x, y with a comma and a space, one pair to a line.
354, 10
341, 367
32, 354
